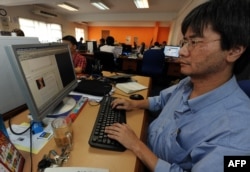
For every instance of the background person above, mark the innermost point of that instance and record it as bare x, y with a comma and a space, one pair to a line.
18, 32
101, 43
109, 46
206, 116
79, 61
156, 46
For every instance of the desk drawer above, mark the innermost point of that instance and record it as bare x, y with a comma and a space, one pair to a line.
129, 64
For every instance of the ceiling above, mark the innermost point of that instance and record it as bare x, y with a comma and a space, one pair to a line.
120, 10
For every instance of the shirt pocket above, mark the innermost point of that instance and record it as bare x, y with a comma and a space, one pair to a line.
177, 153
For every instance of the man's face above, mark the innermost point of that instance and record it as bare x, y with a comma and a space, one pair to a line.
71, 46
202, 56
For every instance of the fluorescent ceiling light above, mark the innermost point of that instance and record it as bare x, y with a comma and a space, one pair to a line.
141, 3
68, 6
99, 4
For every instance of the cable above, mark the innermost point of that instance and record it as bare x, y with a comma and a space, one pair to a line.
93, 103
16, 132
31, 159
29, 128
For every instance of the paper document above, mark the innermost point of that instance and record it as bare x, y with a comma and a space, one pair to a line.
130, 87
90, 97
22, 142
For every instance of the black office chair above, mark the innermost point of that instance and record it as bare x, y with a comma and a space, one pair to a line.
245, 86
106, 59
153, 63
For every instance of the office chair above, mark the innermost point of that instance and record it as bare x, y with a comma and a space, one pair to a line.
153, 62
153, 65
106, 59
245, 86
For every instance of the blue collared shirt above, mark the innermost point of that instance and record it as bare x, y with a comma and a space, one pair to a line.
195, 134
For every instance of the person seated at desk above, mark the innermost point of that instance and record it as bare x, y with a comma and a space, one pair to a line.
109, 46
18, 32
79, 61
164, 43
102, 43
141, 49
80, 43
206, 115
156, 46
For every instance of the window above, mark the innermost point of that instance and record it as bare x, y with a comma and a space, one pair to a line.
46, 32
79, 33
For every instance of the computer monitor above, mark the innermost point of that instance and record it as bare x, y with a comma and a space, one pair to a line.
82, 47
91, 46
171, 51
9, 87
126, 49
46, 76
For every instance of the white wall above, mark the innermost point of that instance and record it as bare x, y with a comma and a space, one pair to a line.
175, 31
13, 13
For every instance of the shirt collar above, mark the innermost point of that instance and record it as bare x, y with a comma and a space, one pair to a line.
212, 96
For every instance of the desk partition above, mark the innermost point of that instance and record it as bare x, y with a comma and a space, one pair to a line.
83, 155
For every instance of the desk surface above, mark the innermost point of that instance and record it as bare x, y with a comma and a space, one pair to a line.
84, 155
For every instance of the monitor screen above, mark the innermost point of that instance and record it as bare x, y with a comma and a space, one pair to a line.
45, 74
126, 49
91, 46
171, 51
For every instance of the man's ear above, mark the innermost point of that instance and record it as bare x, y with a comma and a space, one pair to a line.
235, 52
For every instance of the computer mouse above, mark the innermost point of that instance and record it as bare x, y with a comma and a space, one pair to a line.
136, 97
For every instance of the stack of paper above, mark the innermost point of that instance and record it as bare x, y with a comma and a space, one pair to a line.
130, 87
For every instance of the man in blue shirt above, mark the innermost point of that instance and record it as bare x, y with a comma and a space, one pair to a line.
206, 116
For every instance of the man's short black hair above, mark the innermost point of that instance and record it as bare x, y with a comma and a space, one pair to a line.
229, 18
110, 40
70, 38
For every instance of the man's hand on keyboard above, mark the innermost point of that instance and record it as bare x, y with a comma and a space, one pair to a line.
122, 104
130, 104
123, 134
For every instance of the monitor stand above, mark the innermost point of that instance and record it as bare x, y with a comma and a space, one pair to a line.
64, 107
61, 110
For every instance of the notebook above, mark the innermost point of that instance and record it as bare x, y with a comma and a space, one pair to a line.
11, 160
130, 87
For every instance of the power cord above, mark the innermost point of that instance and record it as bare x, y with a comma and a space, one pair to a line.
11, 129
29, 128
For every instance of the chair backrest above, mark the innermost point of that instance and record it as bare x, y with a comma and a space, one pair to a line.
106, 60
153, 62
245, 86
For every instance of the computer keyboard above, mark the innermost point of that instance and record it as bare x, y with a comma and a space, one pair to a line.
105, 117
